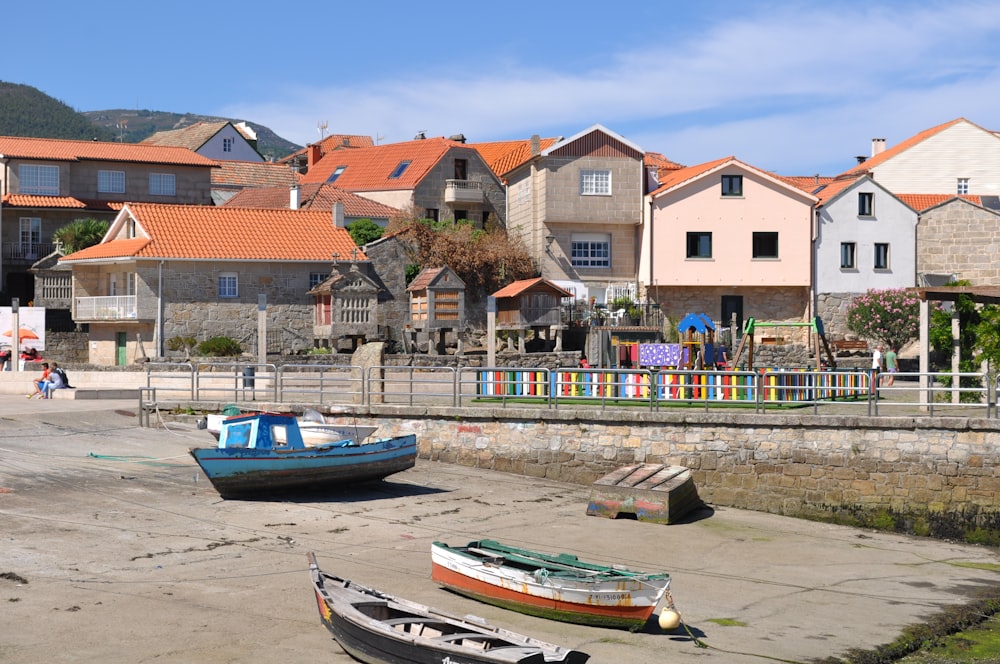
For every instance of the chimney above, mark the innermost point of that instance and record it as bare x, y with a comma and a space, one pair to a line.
878, 146
313, 153
458, 138
816, 181
536, 145
338, 214
294, 197
861, 158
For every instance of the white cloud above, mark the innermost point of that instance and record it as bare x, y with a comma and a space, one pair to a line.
793, 88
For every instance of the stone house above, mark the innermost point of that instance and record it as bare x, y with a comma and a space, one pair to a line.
166, 271
575, 203
48, 183
438, 178
726, 239
865, 238
957, 238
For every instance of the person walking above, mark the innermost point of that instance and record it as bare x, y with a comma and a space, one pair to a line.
891, 366
876, 368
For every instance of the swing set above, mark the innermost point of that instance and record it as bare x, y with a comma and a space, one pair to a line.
818, 339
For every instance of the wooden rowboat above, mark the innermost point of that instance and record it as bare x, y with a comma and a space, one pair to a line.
560, 587
372, 626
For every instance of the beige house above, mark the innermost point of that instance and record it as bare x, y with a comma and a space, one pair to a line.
577, 205
47, 183
166, 271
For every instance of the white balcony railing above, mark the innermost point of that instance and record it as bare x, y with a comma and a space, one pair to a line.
463, 191
108, 307
26, 251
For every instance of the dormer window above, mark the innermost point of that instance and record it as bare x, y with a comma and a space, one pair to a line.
400, 168
337, 172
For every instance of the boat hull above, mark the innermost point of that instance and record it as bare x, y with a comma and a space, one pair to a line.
240, 472
380, 629
620, 602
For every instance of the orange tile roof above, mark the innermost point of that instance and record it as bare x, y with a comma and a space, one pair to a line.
226, 234
369, 169
14, 147
515, 288
808, 183
888, 153
921, 202
192, 137
33, 201
313, 196
504, 156
238, 174
830, 190
334, 142
660, 162
676, 177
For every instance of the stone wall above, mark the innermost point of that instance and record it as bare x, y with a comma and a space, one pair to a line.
939, 472
959, 238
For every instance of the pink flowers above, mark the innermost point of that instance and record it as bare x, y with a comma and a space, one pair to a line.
891, 316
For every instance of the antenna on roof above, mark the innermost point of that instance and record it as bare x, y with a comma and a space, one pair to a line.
379, 138
321, 128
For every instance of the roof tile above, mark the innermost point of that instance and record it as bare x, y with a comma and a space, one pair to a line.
61, 150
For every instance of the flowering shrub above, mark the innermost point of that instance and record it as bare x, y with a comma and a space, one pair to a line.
891, 316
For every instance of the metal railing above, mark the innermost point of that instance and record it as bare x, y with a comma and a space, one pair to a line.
762, 391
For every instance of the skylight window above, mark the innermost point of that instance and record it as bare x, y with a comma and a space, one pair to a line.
396, 172
336, 174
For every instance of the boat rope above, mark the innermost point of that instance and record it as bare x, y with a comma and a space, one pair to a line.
144, 460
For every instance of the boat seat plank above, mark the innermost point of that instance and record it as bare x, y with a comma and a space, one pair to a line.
463, 635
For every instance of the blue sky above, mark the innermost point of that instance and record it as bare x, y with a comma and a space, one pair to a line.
794, 87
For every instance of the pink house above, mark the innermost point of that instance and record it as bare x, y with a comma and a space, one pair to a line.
724, 238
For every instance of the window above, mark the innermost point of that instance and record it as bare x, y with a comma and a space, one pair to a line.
432, 214
524, 192
337, 172
591, 250
40, 180
400, 167
963, 185
699, 245
461, 169
765, 245
486, 217
111, 182
229, 285
162, 184
316, 278
866, 204
595, 183
732, 185
847, 250
881, 255
31, 237
461, 214
227, 144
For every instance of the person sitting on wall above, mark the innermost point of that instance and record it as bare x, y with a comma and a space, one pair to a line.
40, 383
5, 354
54, 382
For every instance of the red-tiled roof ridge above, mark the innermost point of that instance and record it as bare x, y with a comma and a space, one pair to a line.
312, 196
369, 169
681, 175
888, 153
195, 232
58, 149
515, 288
504, 156
333, 142
921, 202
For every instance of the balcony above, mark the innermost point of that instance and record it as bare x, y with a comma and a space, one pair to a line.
26, 252
463, 191
109, 307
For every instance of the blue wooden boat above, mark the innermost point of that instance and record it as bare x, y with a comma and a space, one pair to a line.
262, 453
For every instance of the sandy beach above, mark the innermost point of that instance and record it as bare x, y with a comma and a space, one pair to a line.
115, 548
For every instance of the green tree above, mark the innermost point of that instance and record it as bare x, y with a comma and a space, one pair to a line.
80, 234
364, 231
890, 316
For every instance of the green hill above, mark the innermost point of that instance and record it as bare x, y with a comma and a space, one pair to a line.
26, 111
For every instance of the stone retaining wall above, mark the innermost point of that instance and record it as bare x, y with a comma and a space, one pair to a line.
927, 475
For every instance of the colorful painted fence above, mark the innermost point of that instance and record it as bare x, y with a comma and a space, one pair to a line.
776, 385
